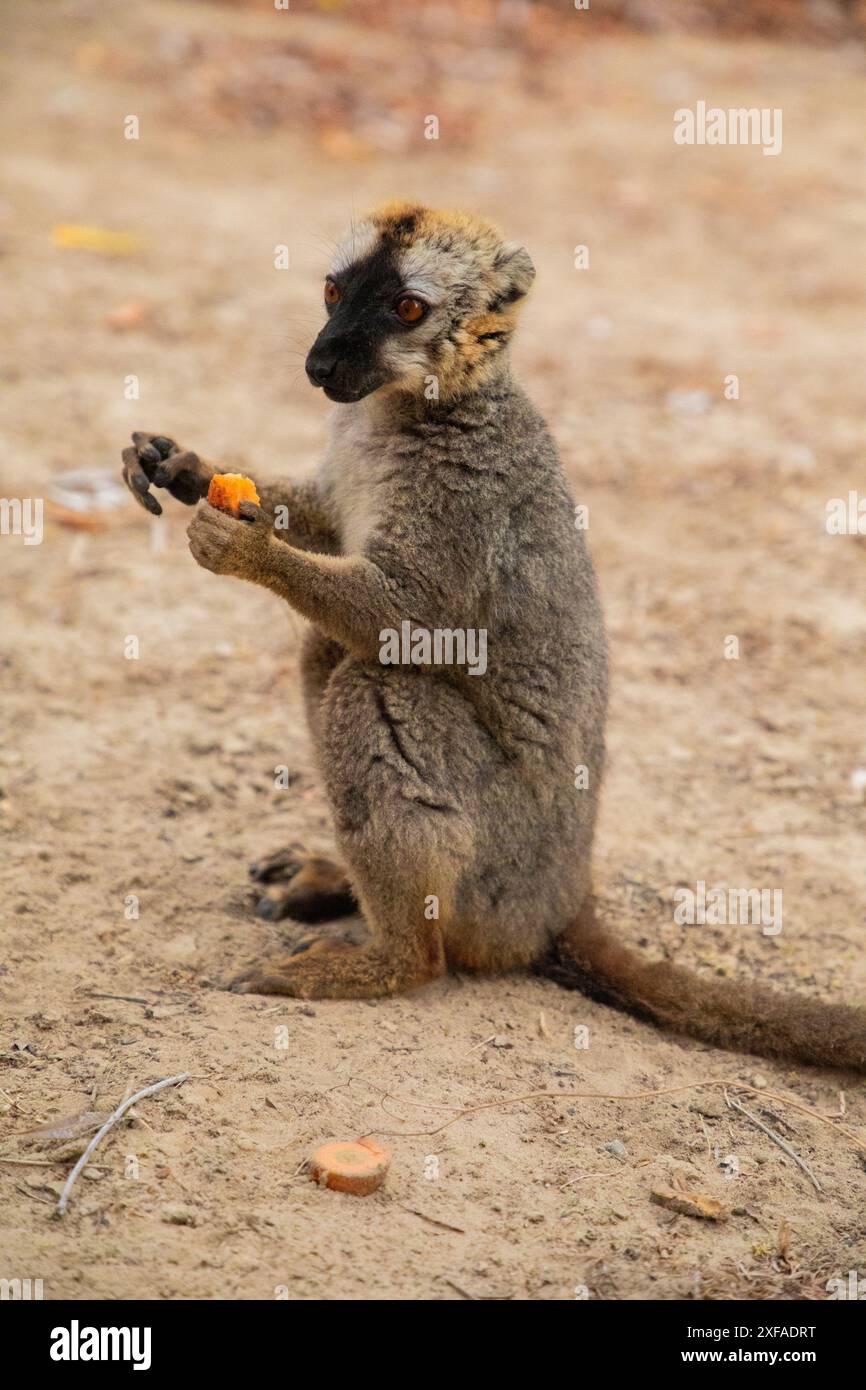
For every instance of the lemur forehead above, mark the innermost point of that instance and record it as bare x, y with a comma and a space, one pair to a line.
361, 242
427, 270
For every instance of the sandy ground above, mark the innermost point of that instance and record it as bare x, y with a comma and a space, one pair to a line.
154, 777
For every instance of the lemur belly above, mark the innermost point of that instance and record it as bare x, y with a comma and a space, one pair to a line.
354, 476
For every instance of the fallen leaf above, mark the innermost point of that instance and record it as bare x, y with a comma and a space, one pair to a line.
69, 1126
689, 1203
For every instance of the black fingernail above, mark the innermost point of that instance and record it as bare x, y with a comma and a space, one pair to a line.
149, 454
164, 445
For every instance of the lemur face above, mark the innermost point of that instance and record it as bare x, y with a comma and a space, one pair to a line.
416, 296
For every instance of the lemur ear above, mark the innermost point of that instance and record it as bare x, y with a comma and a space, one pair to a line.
514, 265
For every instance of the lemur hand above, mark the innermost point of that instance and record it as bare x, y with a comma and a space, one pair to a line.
226, 544
152, 458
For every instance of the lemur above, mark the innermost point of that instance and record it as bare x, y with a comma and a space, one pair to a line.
441, 504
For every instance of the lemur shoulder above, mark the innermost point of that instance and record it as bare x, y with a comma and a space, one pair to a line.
441, 505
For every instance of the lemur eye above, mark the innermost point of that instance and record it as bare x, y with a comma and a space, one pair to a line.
332, 293
411, 310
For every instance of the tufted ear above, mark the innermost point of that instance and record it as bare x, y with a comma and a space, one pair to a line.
515, 271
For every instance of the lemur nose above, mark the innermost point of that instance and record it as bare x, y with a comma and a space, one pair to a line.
321, 367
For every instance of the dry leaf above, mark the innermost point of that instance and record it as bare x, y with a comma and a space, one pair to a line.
69, 1126
689, 1203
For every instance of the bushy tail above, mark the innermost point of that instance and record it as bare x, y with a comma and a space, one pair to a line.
730, 1013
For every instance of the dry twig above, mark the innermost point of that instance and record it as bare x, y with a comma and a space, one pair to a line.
776, 1138
608, 1095
112, 1119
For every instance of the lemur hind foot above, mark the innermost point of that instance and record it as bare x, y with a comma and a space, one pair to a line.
308, 887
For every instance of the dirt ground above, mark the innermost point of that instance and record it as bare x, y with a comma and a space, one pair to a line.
153, 778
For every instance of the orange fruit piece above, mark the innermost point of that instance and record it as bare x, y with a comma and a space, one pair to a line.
228, 490
356, 1166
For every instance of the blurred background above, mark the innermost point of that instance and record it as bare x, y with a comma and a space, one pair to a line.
140, 291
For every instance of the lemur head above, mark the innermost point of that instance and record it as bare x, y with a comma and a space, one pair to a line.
413, 294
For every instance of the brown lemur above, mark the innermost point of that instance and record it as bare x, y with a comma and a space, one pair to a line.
441, 507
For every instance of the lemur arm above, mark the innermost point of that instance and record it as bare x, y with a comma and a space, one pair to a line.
155, 460
348, 597
297, 513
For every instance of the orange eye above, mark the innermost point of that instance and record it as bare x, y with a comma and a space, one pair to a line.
410, 310
332, 293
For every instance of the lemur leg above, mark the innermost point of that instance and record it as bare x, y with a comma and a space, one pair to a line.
317, 889
319, 659
389, 743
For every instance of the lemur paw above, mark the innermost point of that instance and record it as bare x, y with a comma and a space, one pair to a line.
226, 544
280, 866
303, 974
156, 459
308, 887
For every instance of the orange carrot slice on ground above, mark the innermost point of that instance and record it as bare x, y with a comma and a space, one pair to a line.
356, 1166
228, 490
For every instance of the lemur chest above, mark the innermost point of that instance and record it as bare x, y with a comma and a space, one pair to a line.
357, 478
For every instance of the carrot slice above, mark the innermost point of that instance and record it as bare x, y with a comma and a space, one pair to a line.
356, 1166
228, 490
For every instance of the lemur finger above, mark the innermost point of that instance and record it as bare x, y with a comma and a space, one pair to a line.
153, 448
184, 476
248, 511
138, 482
169, 467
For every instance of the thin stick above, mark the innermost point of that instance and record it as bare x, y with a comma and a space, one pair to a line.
31, 1162
706, 1134
434, 1221
633, 1095
473, 1298
125, 998
580, 1177
112, 1119
483, 1043
776, 1138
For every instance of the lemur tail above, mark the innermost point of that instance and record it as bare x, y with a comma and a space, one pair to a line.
729, 1013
